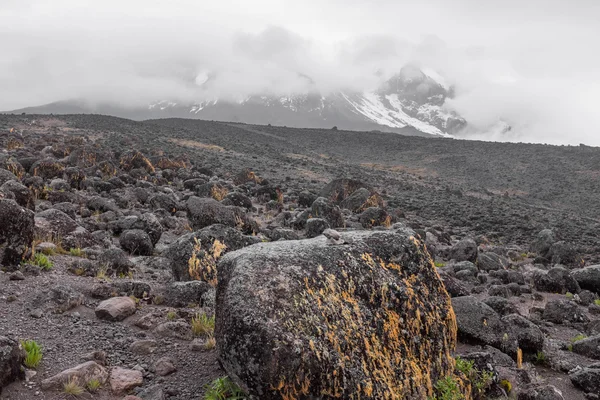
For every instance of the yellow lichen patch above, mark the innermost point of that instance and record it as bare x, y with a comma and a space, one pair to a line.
202, 266
375, 328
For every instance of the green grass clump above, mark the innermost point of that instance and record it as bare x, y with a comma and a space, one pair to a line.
33, 353
42, 261
481, 380
171, 315
76, 252
202, 324
223, 389
569, 295
597, 302
578, 338
447, 389
439, 264
93, 385
539, 358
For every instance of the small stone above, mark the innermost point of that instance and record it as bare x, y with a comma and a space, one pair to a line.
17, 276
115, 309
37, 313
122, 380
164, 366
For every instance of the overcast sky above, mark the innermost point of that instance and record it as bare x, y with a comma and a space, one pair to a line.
534, 63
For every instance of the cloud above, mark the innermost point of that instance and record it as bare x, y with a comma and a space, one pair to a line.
531, 64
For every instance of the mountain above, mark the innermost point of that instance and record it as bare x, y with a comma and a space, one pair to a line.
411, 102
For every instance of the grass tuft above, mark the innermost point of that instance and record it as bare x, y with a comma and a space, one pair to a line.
93, 385
42, 261
202, 324
33, 353
223, 389
72, 388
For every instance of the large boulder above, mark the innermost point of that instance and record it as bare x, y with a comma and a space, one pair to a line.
54, 223
587, 379
180, 252
465, 250
81, 373
16, 232
589, 347
203, 212
307, 319
137, 242
23, 195
491, 262
588, 278
11, 358
560, 311
323, 208
556, 280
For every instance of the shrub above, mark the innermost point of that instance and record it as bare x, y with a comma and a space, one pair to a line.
202, 324
223, 389
72, 388
569, 295
447, 388
33, 353
218, 193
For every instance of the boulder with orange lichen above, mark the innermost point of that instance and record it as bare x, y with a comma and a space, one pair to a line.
368, 319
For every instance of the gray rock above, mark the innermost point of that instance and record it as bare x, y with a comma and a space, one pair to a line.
556, 280
182, 294
181, 250
174, 329
82, 373
281, 314
560, 311
11, 359
136, 242
465, 250
589, 347
315, 227
323, 208
587, 379
588, 278
540, 392
16, 232
115, 309
491, 262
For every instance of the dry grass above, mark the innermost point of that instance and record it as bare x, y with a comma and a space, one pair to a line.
202, 265
193, 144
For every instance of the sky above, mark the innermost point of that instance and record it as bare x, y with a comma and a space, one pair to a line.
534, 64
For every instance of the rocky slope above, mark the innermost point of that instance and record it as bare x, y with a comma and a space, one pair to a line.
442, 250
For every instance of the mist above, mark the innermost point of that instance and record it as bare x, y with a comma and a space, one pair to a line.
534, 66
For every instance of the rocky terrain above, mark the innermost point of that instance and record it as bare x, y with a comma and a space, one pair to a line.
154, 259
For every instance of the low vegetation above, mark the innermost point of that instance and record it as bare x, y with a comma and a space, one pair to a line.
223, 389
202, 325
42, 261
72, 388
33, 353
